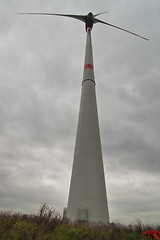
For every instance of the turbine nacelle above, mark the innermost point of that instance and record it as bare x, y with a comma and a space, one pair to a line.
89, 21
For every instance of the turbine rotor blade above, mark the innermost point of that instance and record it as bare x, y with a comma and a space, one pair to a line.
99, 14
99, 21
83, 18
79, 17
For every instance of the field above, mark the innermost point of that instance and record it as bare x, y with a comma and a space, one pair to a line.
49, 225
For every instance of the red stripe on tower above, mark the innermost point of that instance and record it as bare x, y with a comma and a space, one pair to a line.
88, 66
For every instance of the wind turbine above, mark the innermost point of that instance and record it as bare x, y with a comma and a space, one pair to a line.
87, 199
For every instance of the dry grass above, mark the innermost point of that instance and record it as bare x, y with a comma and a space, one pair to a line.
49, 225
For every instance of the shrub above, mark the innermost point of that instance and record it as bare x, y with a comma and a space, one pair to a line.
49, 225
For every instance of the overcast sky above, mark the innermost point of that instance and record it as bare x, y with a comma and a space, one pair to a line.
41, 69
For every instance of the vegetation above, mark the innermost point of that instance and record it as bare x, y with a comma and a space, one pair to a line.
49, 225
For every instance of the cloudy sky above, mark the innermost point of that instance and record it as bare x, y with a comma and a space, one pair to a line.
41, 68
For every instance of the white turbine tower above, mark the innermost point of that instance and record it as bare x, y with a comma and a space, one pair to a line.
87, 196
